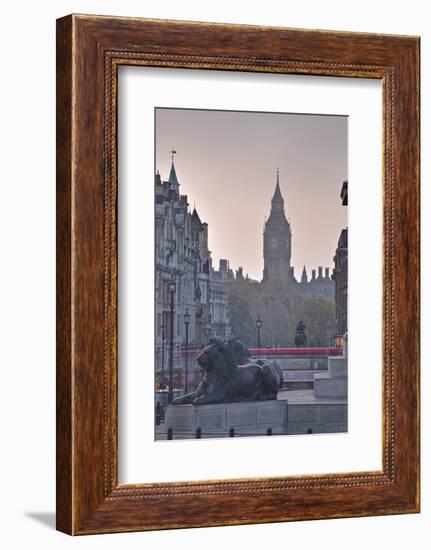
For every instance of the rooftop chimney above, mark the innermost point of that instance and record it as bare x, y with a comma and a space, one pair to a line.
223, 265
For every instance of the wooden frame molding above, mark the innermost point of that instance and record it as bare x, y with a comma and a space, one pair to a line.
89, 51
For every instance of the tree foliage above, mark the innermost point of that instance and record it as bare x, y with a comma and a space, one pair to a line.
280, 308
318, 314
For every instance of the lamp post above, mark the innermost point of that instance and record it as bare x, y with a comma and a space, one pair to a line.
163, 327
258, 326
172, 287
208, 336
186, 367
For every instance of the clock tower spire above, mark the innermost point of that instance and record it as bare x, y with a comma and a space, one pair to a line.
277, 240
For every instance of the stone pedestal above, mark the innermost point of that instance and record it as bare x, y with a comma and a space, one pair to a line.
317, 418
162, 396
247, 419
334, 383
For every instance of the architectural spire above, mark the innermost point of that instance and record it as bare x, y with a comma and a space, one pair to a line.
173, 180
277, 197
196, 221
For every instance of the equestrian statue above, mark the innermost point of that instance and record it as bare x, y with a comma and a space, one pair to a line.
300, 337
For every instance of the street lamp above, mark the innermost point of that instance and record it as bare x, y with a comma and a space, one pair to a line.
258, 326
186, 369
171, 288
208, 336
163, 327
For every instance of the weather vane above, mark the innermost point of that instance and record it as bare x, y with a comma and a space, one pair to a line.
173, 152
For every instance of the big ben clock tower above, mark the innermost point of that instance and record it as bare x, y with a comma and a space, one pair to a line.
277, 241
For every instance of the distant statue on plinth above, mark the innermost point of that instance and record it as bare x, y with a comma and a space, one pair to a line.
224, 380
300, 337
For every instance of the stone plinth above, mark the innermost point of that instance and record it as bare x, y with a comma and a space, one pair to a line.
326, 385
338, 367
247, 418
334, 383
162, 396
317, 418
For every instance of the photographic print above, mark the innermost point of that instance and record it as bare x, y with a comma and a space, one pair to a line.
201, 179
251, 276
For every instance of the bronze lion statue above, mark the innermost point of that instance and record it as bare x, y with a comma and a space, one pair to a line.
225, 381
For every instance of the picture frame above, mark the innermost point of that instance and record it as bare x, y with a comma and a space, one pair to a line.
89, 51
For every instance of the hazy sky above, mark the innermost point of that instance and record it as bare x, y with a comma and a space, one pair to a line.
226, 163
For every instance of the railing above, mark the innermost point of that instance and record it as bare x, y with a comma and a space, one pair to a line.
198, 433
268, 352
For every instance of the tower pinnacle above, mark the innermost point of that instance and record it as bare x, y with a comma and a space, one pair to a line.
173, 180
277, 199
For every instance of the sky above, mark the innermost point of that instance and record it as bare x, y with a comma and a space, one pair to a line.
226, 163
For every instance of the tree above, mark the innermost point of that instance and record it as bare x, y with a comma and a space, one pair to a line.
275, 304
240, 297
318, 314
280, 307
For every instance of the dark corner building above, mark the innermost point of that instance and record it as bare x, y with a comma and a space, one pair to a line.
340, 274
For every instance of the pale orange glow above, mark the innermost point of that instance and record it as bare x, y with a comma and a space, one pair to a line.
226, 163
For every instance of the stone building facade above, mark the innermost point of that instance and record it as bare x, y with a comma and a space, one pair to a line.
182, 257
341, 274
277, 252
